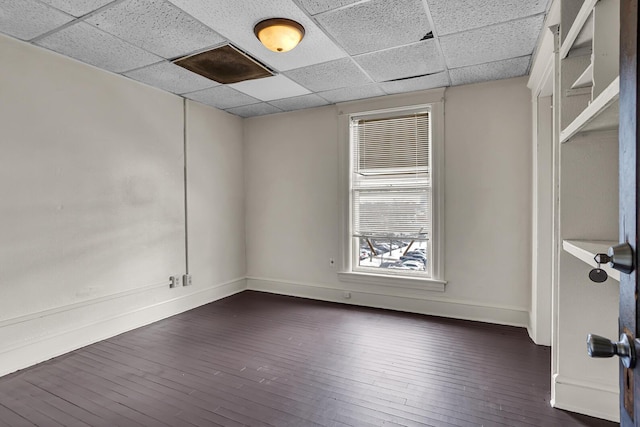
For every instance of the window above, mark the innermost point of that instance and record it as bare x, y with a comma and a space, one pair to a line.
391, 191
392, 220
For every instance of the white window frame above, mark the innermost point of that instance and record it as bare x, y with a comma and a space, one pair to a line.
348, 272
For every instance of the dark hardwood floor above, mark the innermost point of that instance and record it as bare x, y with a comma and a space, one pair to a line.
266, 360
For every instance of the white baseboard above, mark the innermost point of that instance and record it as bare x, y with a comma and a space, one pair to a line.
396, 299
587, 398
56, 332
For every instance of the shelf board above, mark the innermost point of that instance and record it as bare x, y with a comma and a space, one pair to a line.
576, 28
585, 79
601, 114
585, 250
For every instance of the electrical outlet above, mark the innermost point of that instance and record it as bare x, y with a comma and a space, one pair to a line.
186, 280
174, 281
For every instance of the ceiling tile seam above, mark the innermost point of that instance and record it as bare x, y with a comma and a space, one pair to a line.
195, 52
334, 103
125, 42
250, 105
75, 20
290, 97
115, 3
259, 62
327, 34
100, 9
87, 64
339, 8
56, 29
324, 30
80, 20
228, 39
436, 38
143, 66
372, 80
522, 18
228, 87
491, 62
148, 51
202, 50
391, 48
62, 27
400, 79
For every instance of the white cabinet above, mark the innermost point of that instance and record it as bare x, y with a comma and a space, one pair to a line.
588, 101
585, 202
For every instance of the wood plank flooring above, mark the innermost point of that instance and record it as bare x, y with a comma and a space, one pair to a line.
257, 359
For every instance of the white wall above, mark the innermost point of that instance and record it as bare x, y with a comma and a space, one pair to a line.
215, 196
92, 204
292, 214
92, 200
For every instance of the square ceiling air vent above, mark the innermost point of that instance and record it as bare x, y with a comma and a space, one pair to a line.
225, 65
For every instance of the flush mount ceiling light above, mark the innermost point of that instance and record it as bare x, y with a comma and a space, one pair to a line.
279, 34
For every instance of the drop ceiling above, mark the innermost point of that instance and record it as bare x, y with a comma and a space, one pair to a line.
351, 50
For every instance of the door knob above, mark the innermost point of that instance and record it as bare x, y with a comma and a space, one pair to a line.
621, 257
598, 346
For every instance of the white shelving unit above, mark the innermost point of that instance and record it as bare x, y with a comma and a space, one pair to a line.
585, 79
581, 31
586, 250
584, 200
601, 114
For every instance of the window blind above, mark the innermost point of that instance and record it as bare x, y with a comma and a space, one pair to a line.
391, 185
391, 145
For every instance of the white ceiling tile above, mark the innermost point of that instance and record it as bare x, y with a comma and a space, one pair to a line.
235, 20
377, 24
452, 16
318, 6
156, 26
351, 93
86, 43
299, 102
487, 44
254, 110
270, 88
419, 83
407, 61
492, 71
27, 19
329, 75
222, 97
171, 77
77, 8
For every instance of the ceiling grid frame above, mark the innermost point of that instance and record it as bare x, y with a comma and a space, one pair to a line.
383, 72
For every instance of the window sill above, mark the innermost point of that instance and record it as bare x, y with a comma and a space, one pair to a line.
399, 281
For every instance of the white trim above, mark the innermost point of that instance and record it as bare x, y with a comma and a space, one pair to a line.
399, 281
398, 299
543, 57
587, 398
48, 345
435, 100
56, 310
392, 101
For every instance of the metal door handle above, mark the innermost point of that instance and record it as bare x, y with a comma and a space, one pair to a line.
621, 257
598, 346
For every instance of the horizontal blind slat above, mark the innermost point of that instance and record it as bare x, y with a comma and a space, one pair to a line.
399, 212
398, 142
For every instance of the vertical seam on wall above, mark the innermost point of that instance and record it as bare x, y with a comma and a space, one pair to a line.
186, 212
